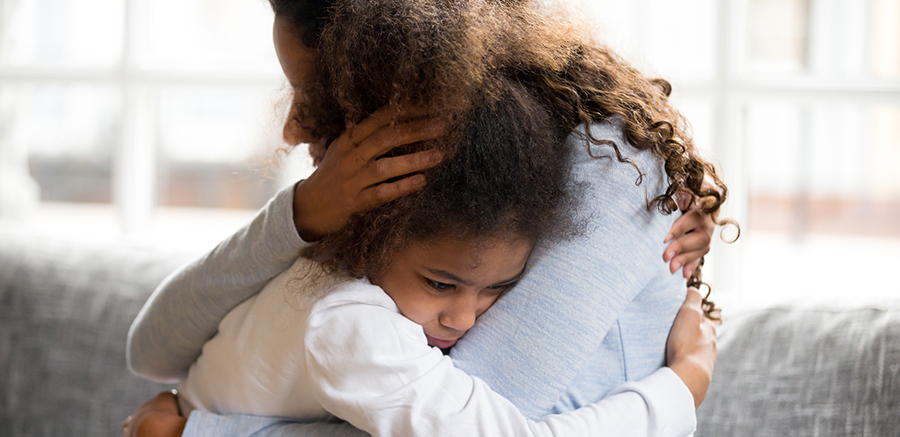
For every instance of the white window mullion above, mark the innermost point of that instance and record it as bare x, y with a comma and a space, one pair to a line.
724, 266
19, 193
135, 166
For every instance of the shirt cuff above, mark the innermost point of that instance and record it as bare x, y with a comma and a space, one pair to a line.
203, 424
671, 401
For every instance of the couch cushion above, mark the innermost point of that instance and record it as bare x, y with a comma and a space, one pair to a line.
792, 371
65, 310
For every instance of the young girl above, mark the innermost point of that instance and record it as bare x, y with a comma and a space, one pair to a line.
419, 271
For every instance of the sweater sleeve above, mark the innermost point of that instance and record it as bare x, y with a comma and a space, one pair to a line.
533, 342
185, 310
372, 367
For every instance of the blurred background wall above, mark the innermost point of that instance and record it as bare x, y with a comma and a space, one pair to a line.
158, 120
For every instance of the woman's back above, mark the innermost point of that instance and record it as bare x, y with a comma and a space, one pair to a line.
606, 295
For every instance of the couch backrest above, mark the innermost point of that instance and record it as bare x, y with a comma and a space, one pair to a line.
806, 372
65, 310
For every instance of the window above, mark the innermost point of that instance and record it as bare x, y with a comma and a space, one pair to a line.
121, 113
151, 116
800, 102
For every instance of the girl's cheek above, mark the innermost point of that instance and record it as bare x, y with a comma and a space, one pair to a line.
425, 309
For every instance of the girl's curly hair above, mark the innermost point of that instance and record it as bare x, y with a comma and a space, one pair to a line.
447, 54
506, 178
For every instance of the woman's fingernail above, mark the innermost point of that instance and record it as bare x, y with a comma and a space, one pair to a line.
676, 265
668, 238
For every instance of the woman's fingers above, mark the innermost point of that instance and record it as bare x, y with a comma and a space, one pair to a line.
350, 178
388, 137
384, 116
389, 168
382, 193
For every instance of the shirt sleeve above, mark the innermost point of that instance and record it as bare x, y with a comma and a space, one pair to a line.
185, 310
202, 424
533, 342
372, 367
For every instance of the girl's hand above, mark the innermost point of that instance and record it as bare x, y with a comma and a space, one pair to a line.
691, 347
691, 234
350, 178
690, 237
158, 417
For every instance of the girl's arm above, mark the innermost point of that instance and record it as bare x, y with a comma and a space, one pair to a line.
371, 366
375, 370
638, 409
185, 310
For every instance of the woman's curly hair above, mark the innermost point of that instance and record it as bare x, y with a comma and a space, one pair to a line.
506, 178
447, 54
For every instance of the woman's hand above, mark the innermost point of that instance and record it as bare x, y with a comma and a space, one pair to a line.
158, 417
350, 178
691, 347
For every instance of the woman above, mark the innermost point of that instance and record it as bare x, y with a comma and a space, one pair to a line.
545, 355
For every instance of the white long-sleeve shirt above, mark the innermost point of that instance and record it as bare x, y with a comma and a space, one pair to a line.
310, 348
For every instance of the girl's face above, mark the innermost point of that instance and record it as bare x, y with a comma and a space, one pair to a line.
444, 284
298, 63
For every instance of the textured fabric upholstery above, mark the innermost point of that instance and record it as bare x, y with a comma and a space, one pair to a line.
65, 310
806, 372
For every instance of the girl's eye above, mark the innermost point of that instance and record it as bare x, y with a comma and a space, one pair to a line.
439, 285
502, 287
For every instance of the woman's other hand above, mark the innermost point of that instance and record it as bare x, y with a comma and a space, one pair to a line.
691, 347
158, 417
691, 234
350, 178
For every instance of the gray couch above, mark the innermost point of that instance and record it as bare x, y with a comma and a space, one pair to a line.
65, 309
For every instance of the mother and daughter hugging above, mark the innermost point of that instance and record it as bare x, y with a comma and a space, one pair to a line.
488, 246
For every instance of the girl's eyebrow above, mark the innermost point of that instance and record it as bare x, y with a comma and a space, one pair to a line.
514, 278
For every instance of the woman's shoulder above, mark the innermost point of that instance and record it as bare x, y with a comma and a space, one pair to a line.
607, 147
604, 134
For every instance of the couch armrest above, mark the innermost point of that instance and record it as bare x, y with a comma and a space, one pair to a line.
806, 372
65, 310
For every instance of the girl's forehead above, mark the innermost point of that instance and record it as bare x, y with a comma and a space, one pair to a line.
471, 258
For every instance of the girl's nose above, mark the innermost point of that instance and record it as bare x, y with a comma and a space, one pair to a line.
461, 315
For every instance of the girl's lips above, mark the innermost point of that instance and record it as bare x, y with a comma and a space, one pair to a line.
438, 343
